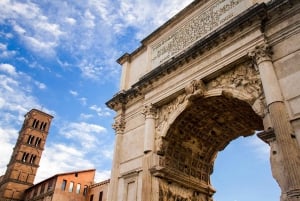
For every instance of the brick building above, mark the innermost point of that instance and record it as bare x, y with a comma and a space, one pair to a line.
66, 186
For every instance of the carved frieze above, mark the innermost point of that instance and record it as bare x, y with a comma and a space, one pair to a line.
203, 23
175, 192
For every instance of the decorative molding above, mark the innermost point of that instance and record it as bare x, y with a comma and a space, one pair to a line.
195, 89
261, 53
149, 111
119, 125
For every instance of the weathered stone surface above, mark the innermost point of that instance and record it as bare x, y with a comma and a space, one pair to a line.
188, 91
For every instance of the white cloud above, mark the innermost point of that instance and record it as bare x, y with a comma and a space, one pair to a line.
8, 68
4, 52
70, 20
73, 93
40, 85
60, 158
85, 116
87, 135
102, 175
100, 111
8, 139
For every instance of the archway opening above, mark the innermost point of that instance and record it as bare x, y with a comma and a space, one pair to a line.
198, 134
242, 172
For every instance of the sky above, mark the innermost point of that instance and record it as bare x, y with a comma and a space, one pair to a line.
59, 56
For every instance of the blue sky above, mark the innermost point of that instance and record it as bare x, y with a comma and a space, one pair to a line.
59, 56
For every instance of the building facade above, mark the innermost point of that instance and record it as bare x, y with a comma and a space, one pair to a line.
24, 162
98, 191
64, 187
218, 70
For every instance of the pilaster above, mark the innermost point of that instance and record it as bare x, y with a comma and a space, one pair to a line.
150, 113
119, 127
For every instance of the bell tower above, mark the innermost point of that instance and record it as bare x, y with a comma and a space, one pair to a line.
24, 162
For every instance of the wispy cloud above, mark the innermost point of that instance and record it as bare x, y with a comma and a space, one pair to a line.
84, 134
100, 111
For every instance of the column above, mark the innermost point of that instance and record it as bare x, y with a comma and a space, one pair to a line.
149, 135
287, 151
119, 127
149, 112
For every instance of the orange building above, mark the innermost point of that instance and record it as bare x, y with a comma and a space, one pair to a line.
98, 191
62, 187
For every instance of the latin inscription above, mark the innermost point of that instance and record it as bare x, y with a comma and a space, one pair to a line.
203, 23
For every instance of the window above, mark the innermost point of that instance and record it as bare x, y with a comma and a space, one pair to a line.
44, 126
71, 186
37, 141
76, 174
78, 188
25, 156
63, 185
30, 139
101, 196
41, 126
50, 183
32, 159
92, 197
85, 190
35, 123
42, 188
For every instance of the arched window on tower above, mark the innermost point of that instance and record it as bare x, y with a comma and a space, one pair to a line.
35, 123
32, 159
41, 126
24, 157
37, 141
44, 126
30, 139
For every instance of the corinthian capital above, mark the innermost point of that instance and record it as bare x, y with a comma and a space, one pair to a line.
119, 126
261, 53
149, 111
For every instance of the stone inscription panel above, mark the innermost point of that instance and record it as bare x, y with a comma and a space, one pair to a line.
201, 24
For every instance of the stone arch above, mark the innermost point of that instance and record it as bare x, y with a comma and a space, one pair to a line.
241, 82
200, 128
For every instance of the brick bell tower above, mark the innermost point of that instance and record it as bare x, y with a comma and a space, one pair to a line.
25, 159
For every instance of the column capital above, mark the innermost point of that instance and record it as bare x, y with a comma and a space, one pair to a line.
149, 111
119, 125
261, 53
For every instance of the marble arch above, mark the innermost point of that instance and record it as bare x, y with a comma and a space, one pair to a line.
217, 70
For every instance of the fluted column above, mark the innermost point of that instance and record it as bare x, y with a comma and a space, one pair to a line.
119, 127
149, 112
286, 150
149, 135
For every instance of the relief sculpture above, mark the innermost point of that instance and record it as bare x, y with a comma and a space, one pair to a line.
172, 192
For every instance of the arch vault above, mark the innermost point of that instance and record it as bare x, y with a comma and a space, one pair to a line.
218, 70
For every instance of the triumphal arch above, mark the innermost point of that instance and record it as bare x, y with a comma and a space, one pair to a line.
217, 70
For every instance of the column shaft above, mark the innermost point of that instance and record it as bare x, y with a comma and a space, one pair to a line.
286, 143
